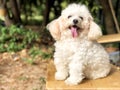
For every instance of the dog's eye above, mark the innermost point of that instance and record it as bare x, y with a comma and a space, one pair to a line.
69, 16
81, 17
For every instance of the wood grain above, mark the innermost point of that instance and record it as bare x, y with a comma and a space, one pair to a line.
111, 82
109, 38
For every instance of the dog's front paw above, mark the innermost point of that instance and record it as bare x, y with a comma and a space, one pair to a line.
73, 81
69, 81
60, 75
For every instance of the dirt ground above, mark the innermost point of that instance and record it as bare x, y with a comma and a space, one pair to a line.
17, 74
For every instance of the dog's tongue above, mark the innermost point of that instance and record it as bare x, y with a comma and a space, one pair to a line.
74, 31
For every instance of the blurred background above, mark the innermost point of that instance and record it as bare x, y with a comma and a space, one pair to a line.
39, 12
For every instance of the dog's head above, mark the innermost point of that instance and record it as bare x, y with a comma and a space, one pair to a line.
76, 19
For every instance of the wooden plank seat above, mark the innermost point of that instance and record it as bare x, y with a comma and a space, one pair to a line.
111, 82
109, 38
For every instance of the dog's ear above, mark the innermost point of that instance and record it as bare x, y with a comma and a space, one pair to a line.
54, 29
94, 31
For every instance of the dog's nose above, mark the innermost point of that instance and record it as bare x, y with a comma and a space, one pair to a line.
75, 21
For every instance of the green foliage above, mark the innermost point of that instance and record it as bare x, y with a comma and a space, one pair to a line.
93, 5
22, 78
29, 60
42, 80
35, 51
114, 45
15, 38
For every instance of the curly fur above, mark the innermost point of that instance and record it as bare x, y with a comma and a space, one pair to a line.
77, 53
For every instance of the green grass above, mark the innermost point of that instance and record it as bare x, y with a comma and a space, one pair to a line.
15, 38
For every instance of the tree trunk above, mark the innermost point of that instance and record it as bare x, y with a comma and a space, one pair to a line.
48, 4
109, 22
15, 19
117, 8
5, 13
57, 8
15, 11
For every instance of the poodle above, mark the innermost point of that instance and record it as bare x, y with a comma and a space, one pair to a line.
77, 53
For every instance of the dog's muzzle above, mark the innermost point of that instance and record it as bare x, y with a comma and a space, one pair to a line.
75, 21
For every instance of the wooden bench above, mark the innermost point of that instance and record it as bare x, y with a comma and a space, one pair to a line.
109, 38
111, 82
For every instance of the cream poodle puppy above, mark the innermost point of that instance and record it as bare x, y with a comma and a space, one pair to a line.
77, 53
